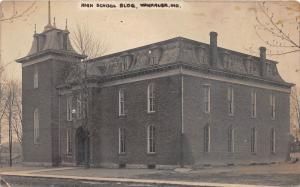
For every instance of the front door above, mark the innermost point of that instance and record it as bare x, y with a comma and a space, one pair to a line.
82, 145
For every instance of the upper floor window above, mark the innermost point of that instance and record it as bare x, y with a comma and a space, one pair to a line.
36, 126
206, 138
273, 140
65, 41
69, 108
150, 98
125, 65
69, 142
206, 99
122, 147
79, 107
36, 77
121, 102
273, 106
253, 140
230, 98
151, 139
231, 139
253, 103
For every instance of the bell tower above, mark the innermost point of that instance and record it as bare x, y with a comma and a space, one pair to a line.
42, 70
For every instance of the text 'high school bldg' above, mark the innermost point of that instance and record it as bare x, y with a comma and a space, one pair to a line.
177, 102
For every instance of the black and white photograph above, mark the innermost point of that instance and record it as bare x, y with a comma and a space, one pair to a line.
172, 93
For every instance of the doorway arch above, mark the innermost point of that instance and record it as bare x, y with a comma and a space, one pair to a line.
82, 146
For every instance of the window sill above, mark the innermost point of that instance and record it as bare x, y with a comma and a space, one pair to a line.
122, 154
150, 112
154, 153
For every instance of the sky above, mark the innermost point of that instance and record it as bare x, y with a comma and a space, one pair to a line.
124, 29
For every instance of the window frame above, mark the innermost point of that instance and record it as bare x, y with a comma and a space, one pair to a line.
151, 98
35, 78
231, 139
69, 149
253, 140
36, 126
151, 144
230, 99
253, 104
69, 108
207, 98
206, 136
122, 141
121, 101
273, 106
273, 141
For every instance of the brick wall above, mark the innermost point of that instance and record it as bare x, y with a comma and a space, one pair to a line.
166, 119
195, 119
37, 98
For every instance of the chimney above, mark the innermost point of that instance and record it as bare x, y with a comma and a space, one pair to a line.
213, 49
262, 60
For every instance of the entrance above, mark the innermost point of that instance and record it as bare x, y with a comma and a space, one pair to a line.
82, 146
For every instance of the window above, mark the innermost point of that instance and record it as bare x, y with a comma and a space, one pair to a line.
206, 138
35, 78
125, 65
69, 142
253, 103
206, 99
230, 96
273, 140
36, 126
69, 108
65, 41
121, 102
273, 106
122, 148
151, 139
253, 140
150, 98
78, 107
231, 139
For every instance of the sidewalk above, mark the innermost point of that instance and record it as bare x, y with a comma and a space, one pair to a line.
122, 180
283, 174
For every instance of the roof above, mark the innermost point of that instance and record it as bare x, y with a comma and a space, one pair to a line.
184, 51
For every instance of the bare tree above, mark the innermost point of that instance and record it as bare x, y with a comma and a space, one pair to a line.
12, 113
282, 35
86, 42
14, 11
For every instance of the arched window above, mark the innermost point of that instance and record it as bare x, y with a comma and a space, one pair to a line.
121, 102
122, 146
230, 139
150, 98
151, 139
253, 140
36, 126
230, 98
207, 138
36, 77
273, 140
206, 98
69, 142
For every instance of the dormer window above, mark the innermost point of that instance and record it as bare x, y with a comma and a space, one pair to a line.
36, 77
65, 41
